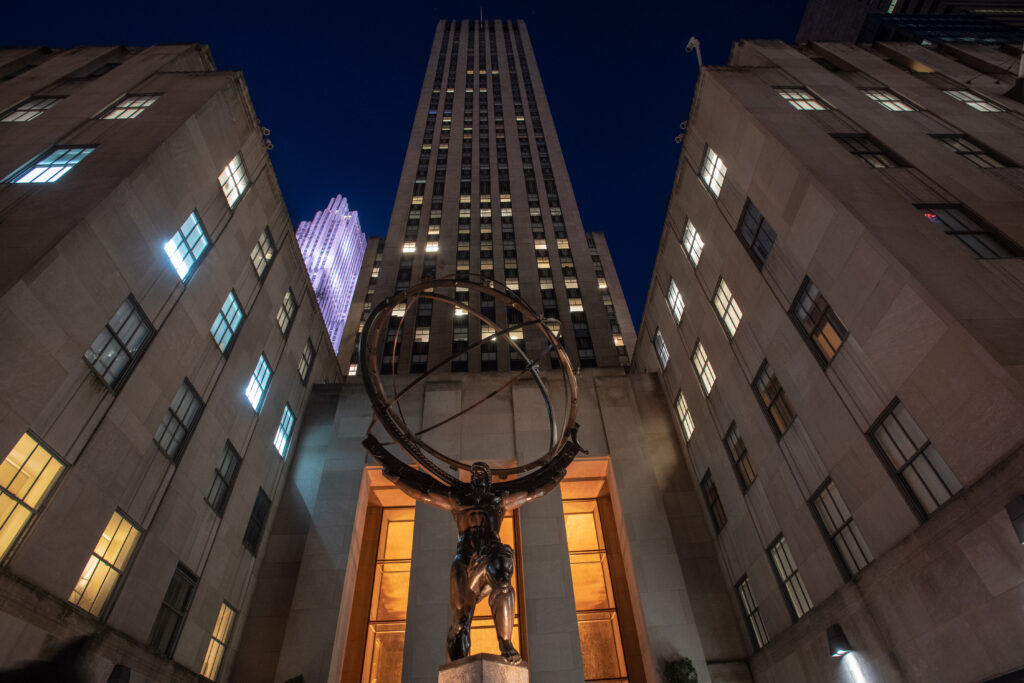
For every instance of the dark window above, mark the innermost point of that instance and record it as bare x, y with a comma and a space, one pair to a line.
868, 149
714, 503
223, 478
257, 520
972, 150
173, 611
737, 450
970, 230
773, 399
120, 344
306, 361
818, 321
756, 233
839, 528
263, 253
752, 613
180, 420
286, 314
792, 585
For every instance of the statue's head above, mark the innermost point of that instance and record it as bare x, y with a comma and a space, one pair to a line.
480, 476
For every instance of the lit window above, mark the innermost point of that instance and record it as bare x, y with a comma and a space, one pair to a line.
888, 100
385, 634
785, 569
130, 107
909, 454
263, 253
969, 149
602, 283
617, 340
187, 246
257, 522
180, 420
868, 149
306, 361
51, 166
284, 431
29, 109
541, 244
728, 310
752, 613
756, 233
399, 310
702, 365
513, 283
218, 642
974, 101
692, 243
286, 314
120, 344
562, 243
353, 369
801, 99
229, 317
712, 171
685, 418
104, 568
737, 450
571, 283
840, 529
171, 617
713, 501
408, 247
27, 475
970, 231
818, 321
773, 399
233, 180
506, 211
422, 335
661, 349
575, 304
223, 478
431, 247
257, 388
675, 301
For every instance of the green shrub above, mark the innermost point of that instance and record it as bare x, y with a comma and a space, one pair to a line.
680, 671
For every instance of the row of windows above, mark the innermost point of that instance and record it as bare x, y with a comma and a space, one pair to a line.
128, 107
804, 100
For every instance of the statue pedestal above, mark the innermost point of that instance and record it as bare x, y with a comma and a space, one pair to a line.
483, 669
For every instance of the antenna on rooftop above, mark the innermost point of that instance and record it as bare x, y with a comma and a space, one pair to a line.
692, 45
481, 15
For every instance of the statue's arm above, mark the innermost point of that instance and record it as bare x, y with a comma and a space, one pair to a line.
411, 481
534, 485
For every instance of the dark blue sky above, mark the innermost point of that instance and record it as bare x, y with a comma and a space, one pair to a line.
337, 83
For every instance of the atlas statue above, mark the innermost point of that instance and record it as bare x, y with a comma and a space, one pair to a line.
483, 566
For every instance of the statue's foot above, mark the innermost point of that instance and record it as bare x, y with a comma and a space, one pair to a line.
510, 654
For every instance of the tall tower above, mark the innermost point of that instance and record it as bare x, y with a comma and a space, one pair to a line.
484, 189
332, 246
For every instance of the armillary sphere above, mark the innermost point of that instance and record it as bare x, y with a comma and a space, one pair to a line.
373, 347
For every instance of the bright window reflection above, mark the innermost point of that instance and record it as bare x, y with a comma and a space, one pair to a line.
187, 245
26, 476
385, 635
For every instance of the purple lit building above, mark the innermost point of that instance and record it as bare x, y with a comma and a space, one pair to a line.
332, 246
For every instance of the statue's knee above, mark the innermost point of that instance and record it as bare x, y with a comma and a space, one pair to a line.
501, 566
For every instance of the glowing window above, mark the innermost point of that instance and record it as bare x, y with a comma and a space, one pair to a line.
408, 247
120, 344
685, 418
27, 475
105, 566
385, 636
353, 369
29, 109
263, 253
229, 317
187, 246
675, 301
284, 431
540, 244
286, 314
257, 388
728, 310
50, 167
422, 334
661, 349
785, 569
974, 101
888, 99
818, 321
801, 99
233, 180
692, 243
130, 107
773, 399
575, 304
702, 366
431, 247
218, 641
602, 283
712, 171
563, 243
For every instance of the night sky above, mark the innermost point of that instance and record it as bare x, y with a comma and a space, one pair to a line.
337, 84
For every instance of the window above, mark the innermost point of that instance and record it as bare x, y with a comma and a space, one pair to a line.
120, 344
229, 317
971, 232
773, 399
105, 566
257, 521
973, 101
173, 611
692, 243
739, 458
752, 613
868, 149
675, 301
728, 310
801, 99
51, 166
180, 420
27, 475
218, 641
792, 585
920, 469
756, 233
306, 361
389, 594
887, 99
702, 365
257, 388
233, 181
286, 314
685, 418
838, 526
223, 478
263, 253
130, 107
29, 109
284, 431
660, 349
818, 321
714, 503
969, 149
187, 246
712, 171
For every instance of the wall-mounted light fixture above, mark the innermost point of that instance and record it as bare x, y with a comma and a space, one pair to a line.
838, 645
1015, 508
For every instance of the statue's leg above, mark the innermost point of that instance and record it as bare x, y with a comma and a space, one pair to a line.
503, 600
462, 605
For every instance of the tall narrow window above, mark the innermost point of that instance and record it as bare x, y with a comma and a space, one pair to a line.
974, 101
793, 586
739, 457
257, 388
685, 418
29, 109
263, 253
180, 420
972, 150
692, 243
773, 399
218, 641
818, 321
889, 100
229, 317
187, 246
173, 611
702, 366
233, 180
753, 615
223, 478
257, 522
130, 107
306, 361
728, 310
869, 150
675, 301
385, 636
51, 166
120, 344
712, 171
27, 475
286, 314
661, 349
284, 431
801, 98
838, 526
756, 233
970, 231
104, 568
913, 459
713, 501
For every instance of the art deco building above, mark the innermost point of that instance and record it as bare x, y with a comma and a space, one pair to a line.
160, 341
333, 245
837, 315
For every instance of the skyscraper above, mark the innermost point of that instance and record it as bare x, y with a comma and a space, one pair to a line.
332, 246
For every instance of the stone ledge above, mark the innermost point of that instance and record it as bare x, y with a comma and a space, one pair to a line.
483, 668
